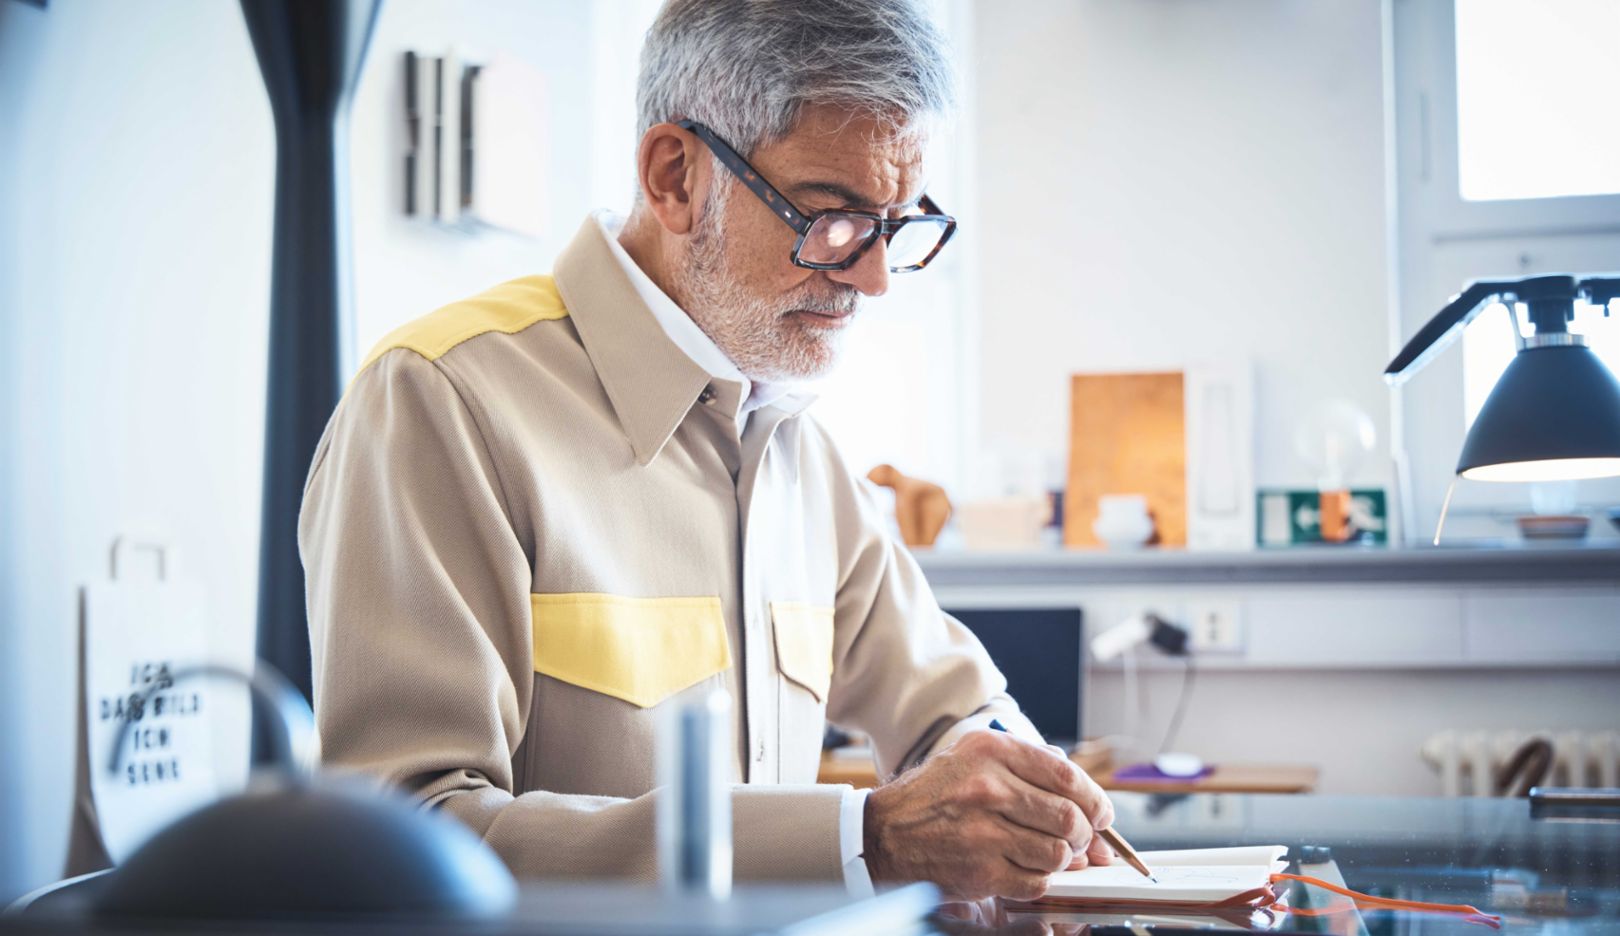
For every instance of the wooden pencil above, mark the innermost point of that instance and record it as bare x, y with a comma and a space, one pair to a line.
1125, 850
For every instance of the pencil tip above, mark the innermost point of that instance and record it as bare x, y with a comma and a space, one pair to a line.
1153, 879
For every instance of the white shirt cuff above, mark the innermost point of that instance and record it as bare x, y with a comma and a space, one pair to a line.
851, 842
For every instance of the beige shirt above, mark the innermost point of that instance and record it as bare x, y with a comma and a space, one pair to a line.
533, 520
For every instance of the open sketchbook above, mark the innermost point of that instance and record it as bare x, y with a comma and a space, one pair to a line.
1200, 876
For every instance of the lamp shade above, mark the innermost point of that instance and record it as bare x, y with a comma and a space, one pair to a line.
1554, 416
330, 850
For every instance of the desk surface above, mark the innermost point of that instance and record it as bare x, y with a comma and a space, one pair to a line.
1227, 778
1541, 875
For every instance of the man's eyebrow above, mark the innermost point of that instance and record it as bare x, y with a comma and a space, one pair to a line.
846, 196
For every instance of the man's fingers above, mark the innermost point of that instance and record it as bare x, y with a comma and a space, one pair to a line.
1059, 775
1035, 808
1099, 852
1104, 816
1021, 883
1034, 851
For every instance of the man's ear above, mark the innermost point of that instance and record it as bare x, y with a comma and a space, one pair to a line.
670, 172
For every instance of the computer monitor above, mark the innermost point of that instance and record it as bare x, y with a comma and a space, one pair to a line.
1039, 651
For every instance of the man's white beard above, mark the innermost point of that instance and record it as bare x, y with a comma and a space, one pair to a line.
757, 334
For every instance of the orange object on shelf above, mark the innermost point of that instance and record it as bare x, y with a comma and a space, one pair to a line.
1127, 435
1335, 522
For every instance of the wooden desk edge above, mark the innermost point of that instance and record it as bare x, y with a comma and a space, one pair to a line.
1227, 778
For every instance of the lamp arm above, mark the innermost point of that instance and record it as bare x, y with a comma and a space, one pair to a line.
1444, 328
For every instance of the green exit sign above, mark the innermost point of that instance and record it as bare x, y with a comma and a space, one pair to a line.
1287, 517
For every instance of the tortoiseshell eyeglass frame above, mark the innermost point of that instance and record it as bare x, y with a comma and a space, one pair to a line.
801, 223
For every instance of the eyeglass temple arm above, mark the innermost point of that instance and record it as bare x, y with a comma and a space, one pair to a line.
755, 182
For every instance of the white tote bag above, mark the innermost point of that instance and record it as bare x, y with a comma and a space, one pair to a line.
163, 735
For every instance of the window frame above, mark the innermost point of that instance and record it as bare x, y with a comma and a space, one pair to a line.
1429, 80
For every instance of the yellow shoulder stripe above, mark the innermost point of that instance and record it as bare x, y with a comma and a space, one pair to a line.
508, 308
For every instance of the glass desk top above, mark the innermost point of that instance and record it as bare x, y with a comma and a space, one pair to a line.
1558, 872
1547, 875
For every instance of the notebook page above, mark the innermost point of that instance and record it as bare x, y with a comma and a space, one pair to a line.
1240, 855
1209, 882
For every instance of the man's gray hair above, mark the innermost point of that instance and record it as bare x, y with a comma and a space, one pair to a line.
747, 68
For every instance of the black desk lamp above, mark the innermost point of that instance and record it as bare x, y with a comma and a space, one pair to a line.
1555, 414
322, 849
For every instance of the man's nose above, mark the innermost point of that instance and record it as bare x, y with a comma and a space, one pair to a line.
870, 274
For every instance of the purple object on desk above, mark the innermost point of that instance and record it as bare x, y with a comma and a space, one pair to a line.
1150, 773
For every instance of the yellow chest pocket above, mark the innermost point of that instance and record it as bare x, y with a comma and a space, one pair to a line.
804, 644
641, 650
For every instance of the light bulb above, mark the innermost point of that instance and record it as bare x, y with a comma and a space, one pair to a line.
1333, 439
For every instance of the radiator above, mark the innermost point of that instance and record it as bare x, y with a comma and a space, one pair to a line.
1468, 760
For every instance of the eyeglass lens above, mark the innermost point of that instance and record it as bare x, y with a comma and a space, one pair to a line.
834, 237
913, 243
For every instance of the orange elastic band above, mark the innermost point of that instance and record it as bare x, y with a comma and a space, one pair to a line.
1368, 900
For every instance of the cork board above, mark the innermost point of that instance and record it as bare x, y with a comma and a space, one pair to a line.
1127, 435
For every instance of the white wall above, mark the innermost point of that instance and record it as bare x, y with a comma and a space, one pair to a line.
1163, 183
136, 177
1362, 728
137, 196
405, 268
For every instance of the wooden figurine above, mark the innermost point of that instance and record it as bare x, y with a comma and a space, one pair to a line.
920, 507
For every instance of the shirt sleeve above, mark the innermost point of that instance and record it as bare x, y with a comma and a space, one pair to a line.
417, 583
852, 843
904, 672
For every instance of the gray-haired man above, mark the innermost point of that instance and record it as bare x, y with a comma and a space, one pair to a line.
543, 512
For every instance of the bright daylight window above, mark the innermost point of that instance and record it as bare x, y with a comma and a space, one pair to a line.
1538, 98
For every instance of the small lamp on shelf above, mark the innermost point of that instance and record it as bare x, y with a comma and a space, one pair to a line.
1334, 439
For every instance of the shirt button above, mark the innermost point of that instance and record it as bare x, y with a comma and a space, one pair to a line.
706, 395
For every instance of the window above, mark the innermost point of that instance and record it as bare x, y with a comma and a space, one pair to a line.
1538, 98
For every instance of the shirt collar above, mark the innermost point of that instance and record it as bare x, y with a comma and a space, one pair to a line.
651, 379
691, 339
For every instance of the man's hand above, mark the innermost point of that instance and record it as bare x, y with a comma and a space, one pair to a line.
989, 816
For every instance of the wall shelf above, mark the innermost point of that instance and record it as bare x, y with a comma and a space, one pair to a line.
1517, 565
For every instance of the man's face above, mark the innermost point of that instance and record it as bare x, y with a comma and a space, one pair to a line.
778, 321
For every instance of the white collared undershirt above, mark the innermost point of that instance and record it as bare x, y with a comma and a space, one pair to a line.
698, 346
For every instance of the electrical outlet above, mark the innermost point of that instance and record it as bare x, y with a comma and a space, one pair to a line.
1215, 625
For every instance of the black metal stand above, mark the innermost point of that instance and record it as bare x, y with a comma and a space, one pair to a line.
310, 53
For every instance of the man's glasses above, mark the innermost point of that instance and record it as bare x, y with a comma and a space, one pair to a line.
836, 240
